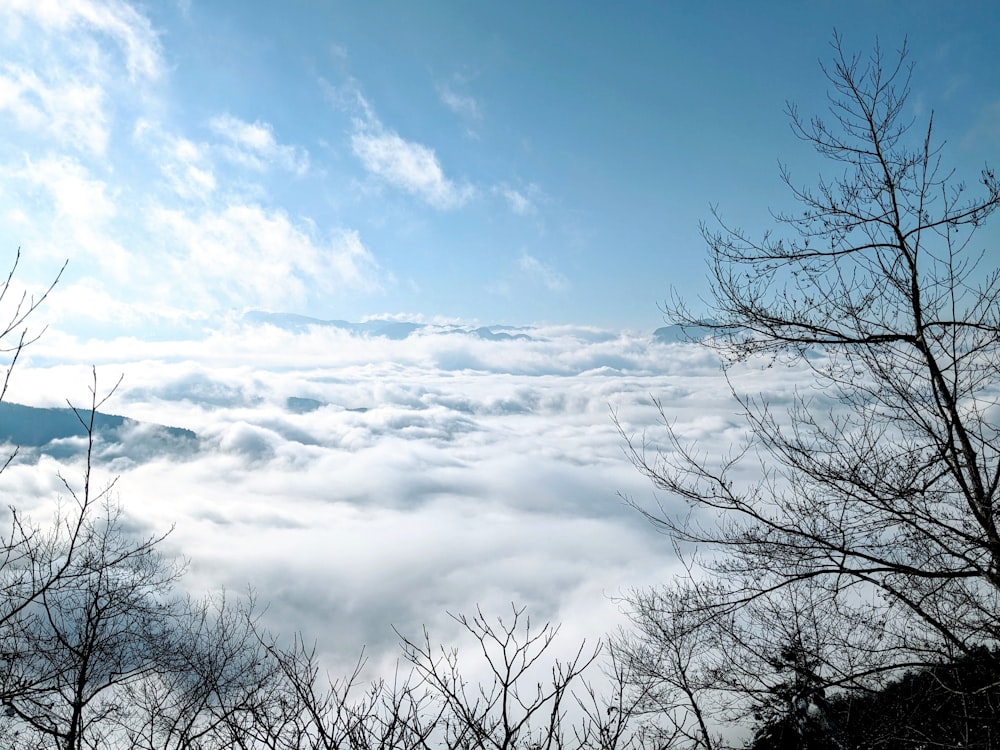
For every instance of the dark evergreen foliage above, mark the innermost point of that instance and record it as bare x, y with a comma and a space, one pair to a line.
953, 705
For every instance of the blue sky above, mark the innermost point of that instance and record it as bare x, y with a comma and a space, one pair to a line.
513, 162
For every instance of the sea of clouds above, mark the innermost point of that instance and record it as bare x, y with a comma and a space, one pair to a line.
360, 482
356, 480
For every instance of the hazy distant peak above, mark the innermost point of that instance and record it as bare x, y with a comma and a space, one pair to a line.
390, 329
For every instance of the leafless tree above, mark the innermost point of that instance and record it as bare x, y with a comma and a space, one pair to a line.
100, 628
15, 335
667, 650
31, 557
434, 702
109, 655
306, 708
513, 708
525, 700
624, 712
211, 672
34, 558
876, 503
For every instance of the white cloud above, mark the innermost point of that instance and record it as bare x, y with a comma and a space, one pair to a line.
409, 166
463, 105
542, 273
349, 98
523, 201
406, 165
89, 299
185, 164
248, 255
338, 53
61, 71
453, 94
66, 109
131, 31
439, 472
253, 145
178, 248
74, 193
72, 212
519, 204
148, 253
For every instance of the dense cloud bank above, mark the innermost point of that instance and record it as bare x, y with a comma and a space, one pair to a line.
360, 481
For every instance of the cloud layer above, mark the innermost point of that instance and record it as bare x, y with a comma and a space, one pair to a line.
358, 481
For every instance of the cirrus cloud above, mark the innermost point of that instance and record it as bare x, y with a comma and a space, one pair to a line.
542, 273
253, 145
130, 30
409, 166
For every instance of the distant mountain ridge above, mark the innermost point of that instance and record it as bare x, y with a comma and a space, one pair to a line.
675, 333
390, 329
52, 430
399, 330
